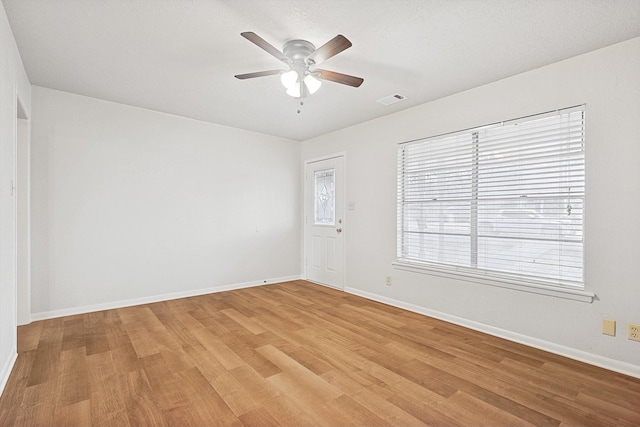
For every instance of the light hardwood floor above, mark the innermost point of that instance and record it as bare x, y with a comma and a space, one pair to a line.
296, 354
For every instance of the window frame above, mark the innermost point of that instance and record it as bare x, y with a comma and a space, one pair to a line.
539, 285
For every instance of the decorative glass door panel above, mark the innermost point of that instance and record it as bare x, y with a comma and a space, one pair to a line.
325, 197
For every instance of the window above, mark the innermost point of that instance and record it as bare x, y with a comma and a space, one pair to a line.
504, 200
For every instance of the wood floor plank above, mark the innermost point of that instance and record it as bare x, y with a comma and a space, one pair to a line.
29, 336
244, 321
601, 405
176, 359
41, 414
138, 398
107, 391
214, 344
74, 333
478, 412
74, 377
287, 413
47, 357
377, 403
254, 385
76, 414
10, 402
204, 400
166, 391
308, 360
358, 414
425, 413
259, 417
292, 354
487, 394
303, 377
250, 356
310, 398
124, 356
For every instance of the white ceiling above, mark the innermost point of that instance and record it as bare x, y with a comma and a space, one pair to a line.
180, 56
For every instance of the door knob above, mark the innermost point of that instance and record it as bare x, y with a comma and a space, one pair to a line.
338, 230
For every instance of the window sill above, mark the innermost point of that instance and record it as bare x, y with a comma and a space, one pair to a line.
498, 281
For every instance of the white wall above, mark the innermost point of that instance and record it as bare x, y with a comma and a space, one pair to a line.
129, 205
13, 85
608, 81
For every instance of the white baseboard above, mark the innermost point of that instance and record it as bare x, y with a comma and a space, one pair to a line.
6, 370
154, 298
571, 353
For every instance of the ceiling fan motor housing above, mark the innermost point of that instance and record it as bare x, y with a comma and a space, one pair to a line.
298, 50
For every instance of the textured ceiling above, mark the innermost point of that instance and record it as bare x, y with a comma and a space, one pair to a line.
180, 56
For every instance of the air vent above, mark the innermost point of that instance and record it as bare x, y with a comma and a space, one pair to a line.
391, 99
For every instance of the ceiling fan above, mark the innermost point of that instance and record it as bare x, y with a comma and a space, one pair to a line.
301, 56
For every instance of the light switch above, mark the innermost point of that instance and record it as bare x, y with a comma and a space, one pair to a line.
609, 327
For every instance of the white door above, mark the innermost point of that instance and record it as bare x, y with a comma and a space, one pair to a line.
324, 221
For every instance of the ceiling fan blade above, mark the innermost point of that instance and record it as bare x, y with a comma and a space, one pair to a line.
263, 44
344, 79
257, 74
330, 49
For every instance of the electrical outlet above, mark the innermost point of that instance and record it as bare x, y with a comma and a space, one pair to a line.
388, 280
609, 327
633, 331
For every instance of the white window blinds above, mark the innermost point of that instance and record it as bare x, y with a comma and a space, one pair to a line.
503, 199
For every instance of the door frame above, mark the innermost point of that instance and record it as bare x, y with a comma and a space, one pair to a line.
23, 218
306, 214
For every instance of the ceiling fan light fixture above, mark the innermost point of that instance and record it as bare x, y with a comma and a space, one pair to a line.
312, 83
289, 79
294, 90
